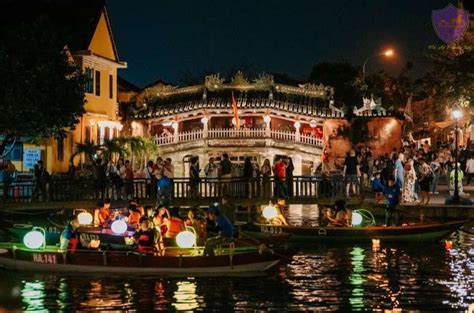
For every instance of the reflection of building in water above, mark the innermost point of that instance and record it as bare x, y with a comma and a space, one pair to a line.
185, 297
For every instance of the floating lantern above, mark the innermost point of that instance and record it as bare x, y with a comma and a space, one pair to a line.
448, 244
119, 227
85, 218
186, 239
35, 238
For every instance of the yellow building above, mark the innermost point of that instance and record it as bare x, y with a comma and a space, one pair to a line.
93, 49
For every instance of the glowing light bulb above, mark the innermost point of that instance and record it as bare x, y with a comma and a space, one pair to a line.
269, 212
84, 218
186, 239
34, 239
119, 227
356, 219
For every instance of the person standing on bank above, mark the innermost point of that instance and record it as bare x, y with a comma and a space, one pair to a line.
351, 173
426, 177
194, 178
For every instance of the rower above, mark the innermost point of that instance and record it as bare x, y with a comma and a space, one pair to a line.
146, 237
225, 228
69, 239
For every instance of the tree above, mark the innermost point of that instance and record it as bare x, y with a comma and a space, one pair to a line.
451, 81
41, 89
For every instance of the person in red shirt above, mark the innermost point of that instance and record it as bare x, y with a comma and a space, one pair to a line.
279, 171
102, 215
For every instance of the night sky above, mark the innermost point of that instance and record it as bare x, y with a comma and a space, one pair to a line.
173, 40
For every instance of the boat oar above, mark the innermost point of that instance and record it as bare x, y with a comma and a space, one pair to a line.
263, 248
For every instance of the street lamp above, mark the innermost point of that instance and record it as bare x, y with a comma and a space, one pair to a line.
386, 53
457, 114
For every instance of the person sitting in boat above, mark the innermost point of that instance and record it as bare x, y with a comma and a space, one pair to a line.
146, 237
161, 220
392, 194
134, 215
280, 219
176, 224
341, 219
224, 227
69, 239
102, 214
199, 224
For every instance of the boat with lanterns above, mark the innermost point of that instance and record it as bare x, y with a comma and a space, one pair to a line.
409, 232
113, 252
363, 228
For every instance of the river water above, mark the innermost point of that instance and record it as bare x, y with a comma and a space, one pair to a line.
344, 278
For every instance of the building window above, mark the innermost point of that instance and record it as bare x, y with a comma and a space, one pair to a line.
111, 86
60, 149
97, 83
89, 85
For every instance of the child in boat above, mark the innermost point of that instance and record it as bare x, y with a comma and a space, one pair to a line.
146, 237
199, 224
392, 193
225, 228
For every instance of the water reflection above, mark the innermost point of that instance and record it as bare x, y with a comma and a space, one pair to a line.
185, 297
357, 279
330, 277
33, 296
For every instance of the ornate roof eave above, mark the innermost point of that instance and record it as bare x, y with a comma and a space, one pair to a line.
215, 82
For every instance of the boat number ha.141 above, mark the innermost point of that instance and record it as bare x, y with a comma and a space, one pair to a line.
270, 229
44, 258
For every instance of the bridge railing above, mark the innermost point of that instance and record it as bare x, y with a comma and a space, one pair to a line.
79, 189
233, 133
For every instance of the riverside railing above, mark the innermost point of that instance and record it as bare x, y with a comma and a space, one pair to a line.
232, 133
81, 189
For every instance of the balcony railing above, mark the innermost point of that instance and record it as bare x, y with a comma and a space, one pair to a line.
231, 133
81, 189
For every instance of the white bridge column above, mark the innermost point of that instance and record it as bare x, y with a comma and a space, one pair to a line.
297, 133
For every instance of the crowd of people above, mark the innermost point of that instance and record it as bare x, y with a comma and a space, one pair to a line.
417, 170
153, 228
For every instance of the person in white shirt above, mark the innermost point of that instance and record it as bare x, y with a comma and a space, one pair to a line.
470, 168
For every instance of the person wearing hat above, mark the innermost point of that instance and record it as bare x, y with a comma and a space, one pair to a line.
224, 228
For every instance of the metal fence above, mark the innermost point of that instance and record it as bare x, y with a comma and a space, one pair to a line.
77, 189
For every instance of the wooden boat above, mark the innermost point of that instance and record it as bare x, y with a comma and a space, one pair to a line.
420, 232
176, 262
